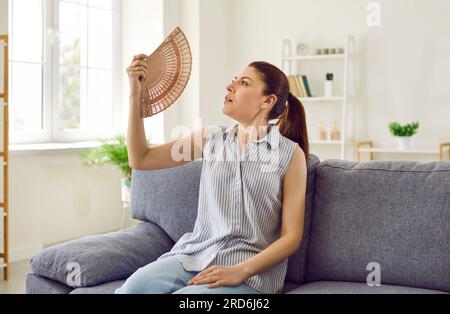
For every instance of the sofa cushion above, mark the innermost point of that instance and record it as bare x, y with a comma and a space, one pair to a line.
35, 284
102, 258
394, 213
104, 288
296, 271
288, 286
340, 287
167, 197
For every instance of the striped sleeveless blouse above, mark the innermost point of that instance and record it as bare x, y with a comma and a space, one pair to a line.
240, 203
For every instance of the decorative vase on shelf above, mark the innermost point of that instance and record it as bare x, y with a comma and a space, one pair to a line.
335, 131
329, 85
404, 142
126, 190
323, 131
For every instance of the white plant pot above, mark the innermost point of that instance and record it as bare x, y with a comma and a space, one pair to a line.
126, 190
404, 142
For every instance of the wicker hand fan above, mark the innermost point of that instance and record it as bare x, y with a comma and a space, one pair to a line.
169, 69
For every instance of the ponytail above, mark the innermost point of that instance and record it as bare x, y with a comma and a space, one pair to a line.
292, 124
291, 118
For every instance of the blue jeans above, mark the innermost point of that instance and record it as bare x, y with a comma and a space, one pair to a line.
169, 276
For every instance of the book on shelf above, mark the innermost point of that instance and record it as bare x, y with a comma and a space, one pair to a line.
305, 83
299, 81
293, 86
298, 85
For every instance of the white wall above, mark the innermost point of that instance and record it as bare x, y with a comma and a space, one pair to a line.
408, 61
185, 112
206, 25
217, 67
54, 198
395, 76
401, 67
144, 25
141, 32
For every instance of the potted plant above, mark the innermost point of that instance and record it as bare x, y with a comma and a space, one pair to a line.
403, 133
113, 153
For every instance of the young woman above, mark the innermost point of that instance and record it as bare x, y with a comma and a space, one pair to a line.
252, 189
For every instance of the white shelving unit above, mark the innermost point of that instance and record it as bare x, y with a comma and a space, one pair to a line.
288, 60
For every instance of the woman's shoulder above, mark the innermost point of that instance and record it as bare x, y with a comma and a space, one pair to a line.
283, 141
291, 149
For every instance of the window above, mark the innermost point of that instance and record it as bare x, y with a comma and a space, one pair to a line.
64, 70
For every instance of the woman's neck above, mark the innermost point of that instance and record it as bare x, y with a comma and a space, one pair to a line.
248, 132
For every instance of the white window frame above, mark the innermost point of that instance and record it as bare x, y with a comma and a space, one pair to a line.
50, 94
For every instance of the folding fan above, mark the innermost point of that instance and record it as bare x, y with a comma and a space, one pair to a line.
169, 69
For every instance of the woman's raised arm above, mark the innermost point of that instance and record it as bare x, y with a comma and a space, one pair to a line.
171, 154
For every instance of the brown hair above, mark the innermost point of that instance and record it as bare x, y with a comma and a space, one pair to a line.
291, 117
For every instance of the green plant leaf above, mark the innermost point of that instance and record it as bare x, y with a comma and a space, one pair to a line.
406, 130
112, 153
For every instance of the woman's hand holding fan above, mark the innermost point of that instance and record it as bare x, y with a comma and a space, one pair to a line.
137, 73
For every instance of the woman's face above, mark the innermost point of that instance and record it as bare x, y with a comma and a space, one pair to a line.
244, 100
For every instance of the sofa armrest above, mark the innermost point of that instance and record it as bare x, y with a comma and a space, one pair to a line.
95, 259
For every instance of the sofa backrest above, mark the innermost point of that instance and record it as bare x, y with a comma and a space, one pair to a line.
296, 271
169, 198
393, 214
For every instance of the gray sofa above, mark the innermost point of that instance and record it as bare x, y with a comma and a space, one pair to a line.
385, 222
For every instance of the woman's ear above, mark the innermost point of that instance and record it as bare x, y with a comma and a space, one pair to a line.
269, 102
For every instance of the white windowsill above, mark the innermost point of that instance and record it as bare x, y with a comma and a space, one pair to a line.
24, 149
